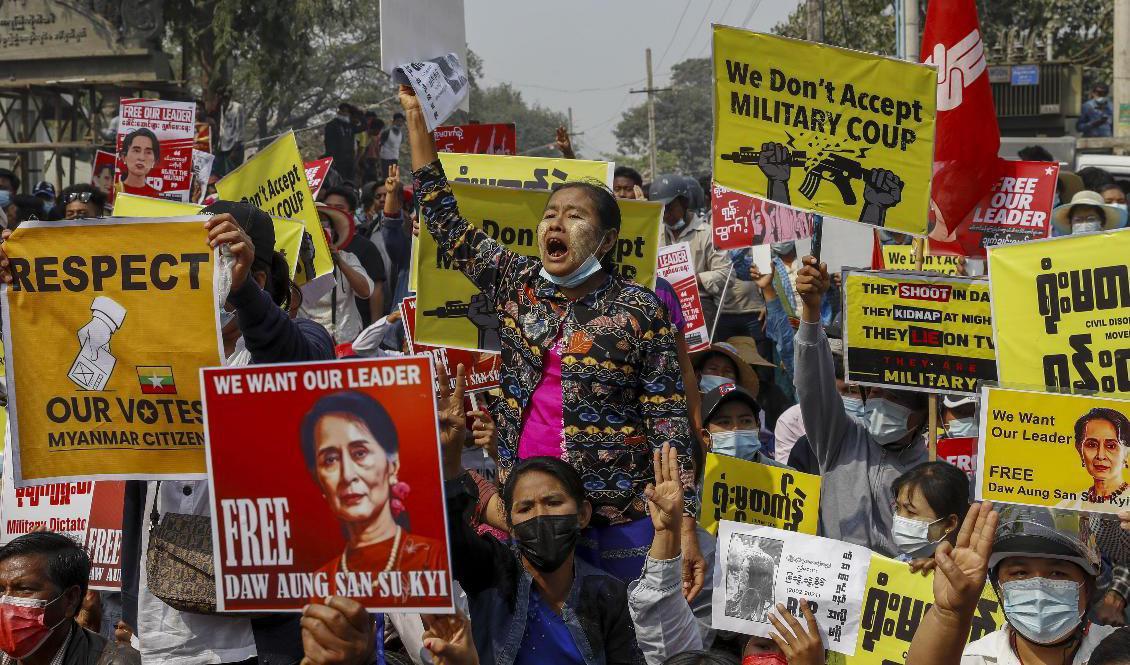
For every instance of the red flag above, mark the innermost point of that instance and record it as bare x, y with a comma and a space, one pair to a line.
965, 149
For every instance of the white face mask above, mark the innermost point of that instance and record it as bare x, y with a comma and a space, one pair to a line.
886, 421
742, 443
961, 427
1120, 206
709, 382
590, 267
853, 406
1086, 227
912, 536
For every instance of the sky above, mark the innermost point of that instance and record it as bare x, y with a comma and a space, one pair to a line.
587, 54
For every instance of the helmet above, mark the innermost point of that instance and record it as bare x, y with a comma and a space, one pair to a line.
698, 197
1047, 533
669, 187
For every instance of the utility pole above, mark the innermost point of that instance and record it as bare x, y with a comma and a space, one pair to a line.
815, 22
650, 90
910, 36
1120, 90
570, 121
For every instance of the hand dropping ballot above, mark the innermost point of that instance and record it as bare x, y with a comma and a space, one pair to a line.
94, 364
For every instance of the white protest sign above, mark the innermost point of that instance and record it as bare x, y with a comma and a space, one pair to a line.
845, 243
60, 507
440, 84
674, 265
758, 567
419, 30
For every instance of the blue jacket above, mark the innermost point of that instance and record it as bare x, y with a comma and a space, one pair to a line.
1096, 119
498, 588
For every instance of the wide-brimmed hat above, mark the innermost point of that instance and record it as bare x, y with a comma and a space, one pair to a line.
747, 378
747, 350
1113, 216
1071, 184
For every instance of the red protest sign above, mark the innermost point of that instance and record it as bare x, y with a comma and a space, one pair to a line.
739, 220
103, 174
155, 139
104, 535
316, 173
481, 369
497, 139
1016, 209
958, 452
674, 265
326, 481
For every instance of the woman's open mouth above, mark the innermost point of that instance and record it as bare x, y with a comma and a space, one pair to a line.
556, 248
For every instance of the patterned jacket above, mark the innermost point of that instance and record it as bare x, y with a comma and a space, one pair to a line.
622, 391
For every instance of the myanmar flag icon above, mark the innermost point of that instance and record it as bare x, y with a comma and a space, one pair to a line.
156, 380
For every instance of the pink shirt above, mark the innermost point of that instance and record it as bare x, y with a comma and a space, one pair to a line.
543, 429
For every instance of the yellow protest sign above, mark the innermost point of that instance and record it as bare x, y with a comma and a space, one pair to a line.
837, 132
450, 310
1061, 312
740, 491
901, 257
274, 180
288, 233
106, 326
1056, 450
893, 606
917, 331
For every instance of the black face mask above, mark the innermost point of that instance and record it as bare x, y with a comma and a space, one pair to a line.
547, 540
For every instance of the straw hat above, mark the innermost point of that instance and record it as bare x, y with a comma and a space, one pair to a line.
747, 350
1113, 216
746, 377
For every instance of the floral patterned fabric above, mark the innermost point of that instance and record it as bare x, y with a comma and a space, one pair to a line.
622, 390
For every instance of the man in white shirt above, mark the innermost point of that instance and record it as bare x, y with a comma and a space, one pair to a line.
391, 139
337, 310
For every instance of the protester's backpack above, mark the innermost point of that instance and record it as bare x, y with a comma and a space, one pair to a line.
178, 565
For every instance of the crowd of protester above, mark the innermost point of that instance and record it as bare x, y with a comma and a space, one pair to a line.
570, 545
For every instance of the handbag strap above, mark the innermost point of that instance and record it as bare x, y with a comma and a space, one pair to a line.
154, 515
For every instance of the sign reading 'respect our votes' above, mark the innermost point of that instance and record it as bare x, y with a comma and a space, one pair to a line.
918, 331
346, 497
1061, 312
105, 331
1057, 450
824, 129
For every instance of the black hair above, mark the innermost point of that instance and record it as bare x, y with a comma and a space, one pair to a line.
1113, 650
701, 658
357, 406
629, 173
1035, 153
97, 198
945, 487
147, 133
1101, 87
103, 167
712, 353
562, 471
346, 193
1120, 422
607, 210
11, 175
369, 193
398, 116
27, 207
1111, 185
68, 564
1094, 177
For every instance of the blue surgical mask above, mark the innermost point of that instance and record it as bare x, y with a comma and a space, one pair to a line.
783, 248
678, 226
742, 443
226, 317
853, 406
886, 421
709, 382
590, 267
912, 536
961, 427
1043, 611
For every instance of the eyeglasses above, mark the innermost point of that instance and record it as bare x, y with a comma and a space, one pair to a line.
81, 197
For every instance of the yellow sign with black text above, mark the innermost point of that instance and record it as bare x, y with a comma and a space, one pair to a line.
1061, 313
901, 257
106, 326
825, 129
450, 310
751, 493
917, 331
1053, 449
893, 606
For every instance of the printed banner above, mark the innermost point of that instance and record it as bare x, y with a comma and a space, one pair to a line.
452, 311
201, 171
752, 493
758, 567
440, 84
1057, 450
103, 174
104, 535
60, 507
522, 172
129, 321
155, 139
1061, 313
901, 257
676, 267
416, 30
893, 606
316, 172
824, 129
481, 369
917, 331
739, 220
346, 498
274, 180
960, 452
494, 139
203, 140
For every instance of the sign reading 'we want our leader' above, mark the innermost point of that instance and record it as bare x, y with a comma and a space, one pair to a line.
105, 332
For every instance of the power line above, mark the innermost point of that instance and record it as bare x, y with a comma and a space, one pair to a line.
696, 30
675, 34
535, 86
749, 15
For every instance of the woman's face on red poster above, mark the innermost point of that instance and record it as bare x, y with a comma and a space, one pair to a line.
353, 469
